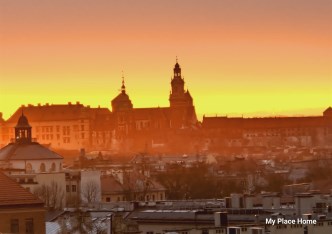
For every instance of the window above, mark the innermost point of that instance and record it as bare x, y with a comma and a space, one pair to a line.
67, 188
29, 226
108, 199
28, 167
53, 168
14, 226
73, 188
42, 167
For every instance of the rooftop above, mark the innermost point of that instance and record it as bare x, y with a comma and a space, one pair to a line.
11, 193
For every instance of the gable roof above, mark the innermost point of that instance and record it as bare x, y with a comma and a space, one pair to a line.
11, 193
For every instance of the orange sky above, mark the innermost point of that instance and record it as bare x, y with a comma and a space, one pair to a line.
254, 57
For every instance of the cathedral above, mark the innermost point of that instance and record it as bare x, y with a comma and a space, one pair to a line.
153, 124
74, 126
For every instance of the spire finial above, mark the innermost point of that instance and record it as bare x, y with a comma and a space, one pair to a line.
176, 58
123, 87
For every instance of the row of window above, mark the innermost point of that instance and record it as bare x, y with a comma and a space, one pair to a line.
65, 129
42, 167
15, 226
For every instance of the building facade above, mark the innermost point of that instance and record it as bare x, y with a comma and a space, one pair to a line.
66, 127
20, 211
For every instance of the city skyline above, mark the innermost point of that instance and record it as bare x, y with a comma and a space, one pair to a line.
256, 59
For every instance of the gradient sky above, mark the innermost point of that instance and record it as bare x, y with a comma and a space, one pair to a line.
250, 57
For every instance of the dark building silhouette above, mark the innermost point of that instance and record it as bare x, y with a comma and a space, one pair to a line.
154, 126
174, 128
270, 131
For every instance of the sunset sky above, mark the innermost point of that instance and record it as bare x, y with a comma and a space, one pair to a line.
250, 57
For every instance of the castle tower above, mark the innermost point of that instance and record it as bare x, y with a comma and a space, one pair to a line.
181, 103
179, 97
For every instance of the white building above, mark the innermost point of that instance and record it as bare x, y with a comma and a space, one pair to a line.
34, 166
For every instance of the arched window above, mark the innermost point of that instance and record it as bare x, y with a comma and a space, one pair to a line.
42, 167
28, 167
53, 167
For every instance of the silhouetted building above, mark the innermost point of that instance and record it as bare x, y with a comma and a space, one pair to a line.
270, 131
152, 127
173, 129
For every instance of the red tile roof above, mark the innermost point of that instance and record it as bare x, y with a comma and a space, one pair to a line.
12, 194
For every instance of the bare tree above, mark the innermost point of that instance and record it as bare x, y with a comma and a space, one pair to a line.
136, 187
52, 195
90, 191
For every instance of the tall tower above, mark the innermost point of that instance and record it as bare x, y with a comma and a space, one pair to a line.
181, 103
179, 97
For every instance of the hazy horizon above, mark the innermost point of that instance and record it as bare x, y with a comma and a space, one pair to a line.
238, 57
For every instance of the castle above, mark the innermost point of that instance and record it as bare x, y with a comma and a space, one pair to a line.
75, 126
162, 129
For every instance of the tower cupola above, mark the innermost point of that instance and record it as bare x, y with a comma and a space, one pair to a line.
23, 130
122, 101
